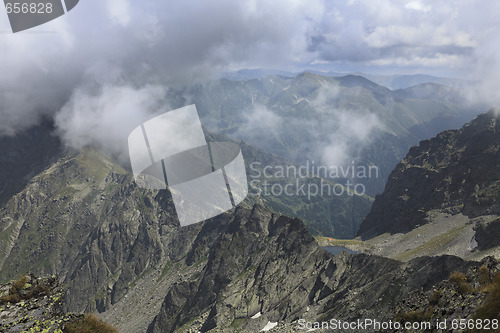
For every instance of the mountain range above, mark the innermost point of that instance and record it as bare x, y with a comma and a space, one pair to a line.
120, 252
392, 82
334, 121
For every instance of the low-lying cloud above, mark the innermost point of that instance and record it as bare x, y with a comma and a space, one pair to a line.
151, 42
354, 132
328, 134
259, 118
103, 117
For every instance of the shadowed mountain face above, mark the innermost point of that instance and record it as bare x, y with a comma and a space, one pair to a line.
24, 155
335, 120
324, 213
458, 171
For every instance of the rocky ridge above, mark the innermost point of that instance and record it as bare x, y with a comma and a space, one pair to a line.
265, 268
458, 171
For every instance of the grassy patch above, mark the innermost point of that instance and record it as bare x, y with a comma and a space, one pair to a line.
89, 324
325, 241
97, 164
484, 275
436, 296
238, 324
415, 316
460, 280
167, 268
199, 262
22, 290
432, 245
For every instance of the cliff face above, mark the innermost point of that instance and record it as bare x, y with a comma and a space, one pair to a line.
486, 234
261, 262
82, 219
458, 171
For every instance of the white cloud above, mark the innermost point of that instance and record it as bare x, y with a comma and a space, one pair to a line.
119, 11
159, 42
432, 37
104, 116
412, 36
326, 96
353, 132
418, 6
163, 42
257, 119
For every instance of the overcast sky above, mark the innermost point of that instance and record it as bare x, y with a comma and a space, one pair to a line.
147, 44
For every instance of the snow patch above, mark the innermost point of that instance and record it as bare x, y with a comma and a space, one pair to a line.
269, 326
257, 315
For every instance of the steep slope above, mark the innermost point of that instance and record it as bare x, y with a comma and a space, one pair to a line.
64, 210
458, 171
85, 219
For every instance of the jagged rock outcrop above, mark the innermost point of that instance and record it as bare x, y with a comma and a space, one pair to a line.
261, 262
33, 304
457, 171
265, 267
85, 219
62, 223
487, 234
235, 270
